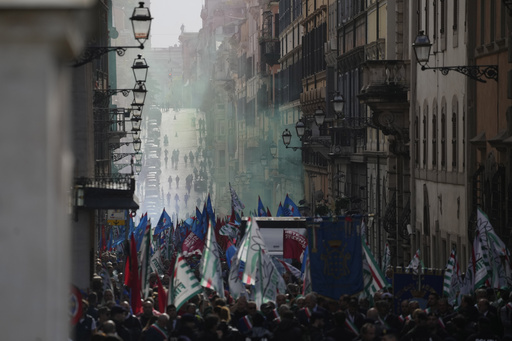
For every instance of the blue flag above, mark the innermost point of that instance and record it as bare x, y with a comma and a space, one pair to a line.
209, 209
197, 229
289, 208
279, 211
230, 252
139, 231
131, 224
163, 223
262, 212
335, 257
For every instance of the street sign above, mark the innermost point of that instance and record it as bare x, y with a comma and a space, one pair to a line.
116, 217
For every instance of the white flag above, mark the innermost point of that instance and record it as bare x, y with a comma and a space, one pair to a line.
237, 205
184, 284
498, 254
452, 279
259, 270
211, 271
415, 263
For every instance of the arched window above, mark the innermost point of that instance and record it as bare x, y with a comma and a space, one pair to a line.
434, 135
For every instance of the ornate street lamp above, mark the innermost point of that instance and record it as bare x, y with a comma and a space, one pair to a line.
300, 128
138, 168
263, 160
287, 137
141, 24
138, 157
140, 69
319, 116
422, 48
136, 124
139, 94
273, 150
338, 102
137, 143
136, 111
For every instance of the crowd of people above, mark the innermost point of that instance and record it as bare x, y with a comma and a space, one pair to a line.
107, 315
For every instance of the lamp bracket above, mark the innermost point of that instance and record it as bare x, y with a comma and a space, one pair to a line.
475, 72
94, 52
117, 145
294, 148
118, 156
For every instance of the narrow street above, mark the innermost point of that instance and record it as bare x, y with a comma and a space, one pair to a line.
182, 169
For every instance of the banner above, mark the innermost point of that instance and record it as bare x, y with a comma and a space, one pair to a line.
294, 244
408, 286
336, 257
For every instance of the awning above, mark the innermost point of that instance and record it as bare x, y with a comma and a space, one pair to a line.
498, 141
99, 198
479, 140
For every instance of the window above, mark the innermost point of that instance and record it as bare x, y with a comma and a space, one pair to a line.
417, 140
443, 137
492, 24
455, 14
482, 21
454, 140
434, 138
425, 136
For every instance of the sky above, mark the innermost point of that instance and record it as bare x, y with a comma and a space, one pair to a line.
169, 15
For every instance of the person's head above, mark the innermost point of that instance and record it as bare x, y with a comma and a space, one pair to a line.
343, 302
266, 308
404, 307
480, 293
372, 314
85, 306
432, 300
280, 300
432, 321
317, 320
383, 307
126, 306
108, 295
118, 313
108, 327
219, 302
483, 305
300, 302
252, 308
442, 305
162, 320
339, 318
224, 314
211, 322
191, 308
420, 317
147, 307
93, 299
353, 306
310, 301
103, 314
467, 301
368, 332
413, 305
283, 309
172, 312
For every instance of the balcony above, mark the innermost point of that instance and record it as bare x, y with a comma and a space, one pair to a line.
115, 192
269, 48
385, 90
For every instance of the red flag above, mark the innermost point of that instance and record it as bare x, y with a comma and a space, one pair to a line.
294, 244
131, 278
162, 296
268, 213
